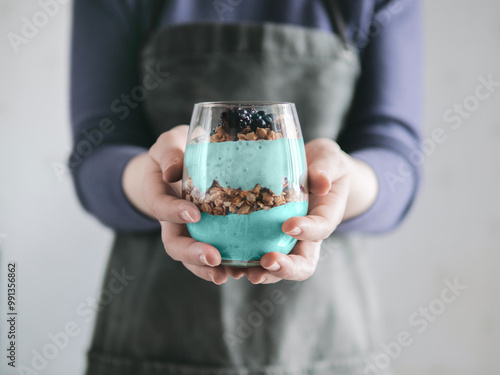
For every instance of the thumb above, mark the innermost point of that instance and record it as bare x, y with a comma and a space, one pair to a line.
168, 152
171, 164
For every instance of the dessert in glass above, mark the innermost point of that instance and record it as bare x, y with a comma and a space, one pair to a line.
245, 169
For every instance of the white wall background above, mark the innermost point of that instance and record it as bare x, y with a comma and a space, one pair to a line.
453, 232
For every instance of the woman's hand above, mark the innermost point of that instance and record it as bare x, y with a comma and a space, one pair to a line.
340, 187
152, 183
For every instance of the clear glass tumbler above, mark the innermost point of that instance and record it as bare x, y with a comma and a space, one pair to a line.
245, 169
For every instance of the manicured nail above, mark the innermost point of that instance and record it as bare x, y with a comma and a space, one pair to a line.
274, 267
203, 259
186, 217
172, 162
294, 232
165, 171
211, 277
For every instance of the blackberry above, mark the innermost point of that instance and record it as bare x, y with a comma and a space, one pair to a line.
232, 119
268, 119
245, 118
258, 123
255, 116
239, 118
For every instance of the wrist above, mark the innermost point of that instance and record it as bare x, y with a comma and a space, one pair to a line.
363, 189
132, 179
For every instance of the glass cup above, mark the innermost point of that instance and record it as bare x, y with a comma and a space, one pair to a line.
245, 169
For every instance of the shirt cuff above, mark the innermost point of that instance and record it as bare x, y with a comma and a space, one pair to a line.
98, 181
398, 181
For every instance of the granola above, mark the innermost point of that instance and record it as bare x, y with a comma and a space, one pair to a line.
218, 200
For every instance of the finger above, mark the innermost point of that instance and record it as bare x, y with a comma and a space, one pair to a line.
299, 265
259, 275
270, 279
162, 199
325, 165
180, 247
325, 214
168, 151
217, 275
236, 272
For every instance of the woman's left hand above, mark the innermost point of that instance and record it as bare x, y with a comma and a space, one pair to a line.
340, 187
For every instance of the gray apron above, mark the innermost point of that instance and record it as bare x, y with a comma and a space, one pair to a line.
168, 321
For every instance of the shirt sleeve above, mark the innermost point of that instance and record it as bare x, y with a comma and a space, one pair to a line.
383, 126
107, 124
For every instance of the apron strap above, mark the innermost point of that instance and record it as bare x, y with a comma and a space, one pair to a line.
332, 8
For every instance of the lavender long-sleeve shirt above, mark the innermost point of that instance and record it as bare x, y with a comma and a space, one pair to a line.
382, 129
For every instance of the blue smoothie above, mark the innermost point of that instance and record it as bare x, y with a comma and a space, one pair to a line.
244, 164
248, 237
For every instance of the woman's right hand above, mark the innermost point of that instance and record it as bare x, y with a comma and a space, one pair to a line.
160, 196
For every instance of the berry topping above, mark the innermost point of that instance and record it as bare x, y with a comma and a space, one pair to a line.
246, 124
239, 118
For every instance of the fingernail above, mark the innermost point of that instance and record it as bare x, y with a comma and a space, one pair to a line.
211, 277
295, 231
172, 162
274, 267
186, 217
165, 171
264, 279
203, 259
